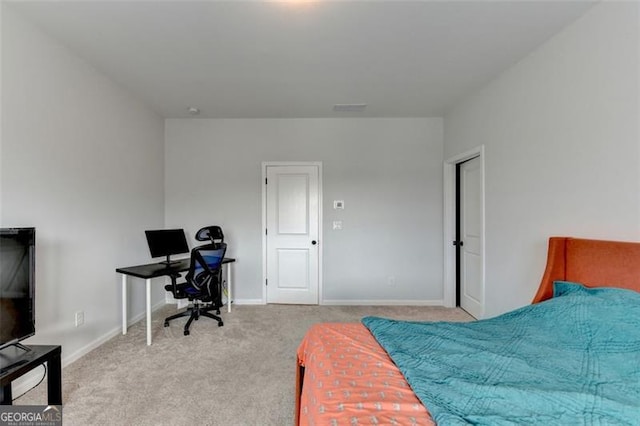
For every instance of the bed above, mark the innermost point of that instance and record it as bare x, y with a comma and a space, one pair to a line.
390, 372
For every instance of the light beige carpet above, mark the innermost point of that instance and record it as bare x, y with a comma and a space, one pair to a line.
239, 374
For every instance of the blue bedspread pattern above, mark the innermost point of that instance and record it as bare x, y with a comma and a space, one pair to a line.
572, 360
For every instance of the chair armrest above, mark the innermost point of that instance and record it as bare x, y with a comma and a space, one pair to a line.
173, 287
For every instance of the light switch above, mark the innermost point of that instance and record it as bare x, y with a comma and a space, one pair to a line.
337, 225
338, 204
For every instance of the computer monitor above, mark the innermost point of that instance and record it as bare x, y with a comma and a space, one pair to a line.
165, 242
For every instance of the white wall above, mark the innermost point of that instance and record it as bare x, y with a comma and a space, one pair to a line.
388, 172
562, 148
82, 162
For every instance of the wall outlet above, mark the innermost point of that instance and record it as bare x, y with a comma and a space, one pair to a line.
391, 281
79, 318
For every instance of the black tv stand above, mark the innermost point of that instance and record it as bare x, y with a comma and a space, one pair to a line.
22, 364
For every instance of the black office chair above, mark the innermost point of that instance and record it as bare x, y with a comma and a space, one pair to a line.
203, 286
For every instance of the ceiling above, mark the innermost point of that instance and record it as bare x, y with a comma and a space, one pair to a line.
291, 59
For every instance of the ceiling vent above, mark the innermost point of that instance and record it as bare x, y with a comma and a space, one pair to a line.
349, 107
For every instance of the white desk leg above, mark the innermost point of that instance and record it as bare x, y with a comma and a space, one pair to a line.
148, 311
124, 304
229, 285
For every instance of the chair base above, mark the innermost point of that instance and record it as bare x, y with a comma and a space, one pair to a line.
194, 313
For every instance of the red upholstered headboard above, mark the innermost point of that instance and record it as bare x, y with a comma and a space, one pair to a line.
594, 263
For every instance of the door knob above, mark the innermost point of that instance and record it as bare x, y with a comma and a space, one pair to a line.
314, 242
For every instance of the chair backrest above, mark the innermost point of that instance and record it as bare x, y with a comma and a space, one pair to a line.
205, 268
210, 233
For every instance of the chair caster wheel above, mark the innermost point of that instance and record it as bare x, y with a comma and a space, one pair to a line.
166, 323
186, 332
218, 312
220, 324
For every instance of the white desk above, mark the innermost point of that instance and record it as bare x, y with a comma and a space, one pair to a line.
154, 270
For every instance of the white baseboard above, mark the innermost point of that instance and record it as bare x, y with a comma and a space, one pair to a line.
29, 380
356, 302
393, 302
247, 302
70, 358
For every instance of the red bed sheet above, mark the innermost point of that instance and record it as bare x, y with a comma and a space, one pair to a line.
350, 380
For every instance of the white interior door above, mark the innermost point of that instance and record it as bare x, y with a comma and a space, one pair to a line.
471, 282
292, 245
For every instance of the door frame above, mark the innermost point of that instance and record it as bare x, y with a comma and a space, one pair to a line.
449, 250
266, 164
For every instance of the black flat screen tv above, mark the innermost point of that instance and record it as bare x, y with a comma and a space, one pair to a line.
17, 284
165, 242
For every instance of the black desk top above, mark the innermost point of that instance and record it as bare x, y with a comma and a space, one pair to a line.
153, 270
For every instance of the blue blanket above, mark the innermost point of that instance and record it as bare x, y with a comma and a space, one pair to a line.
572, 360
